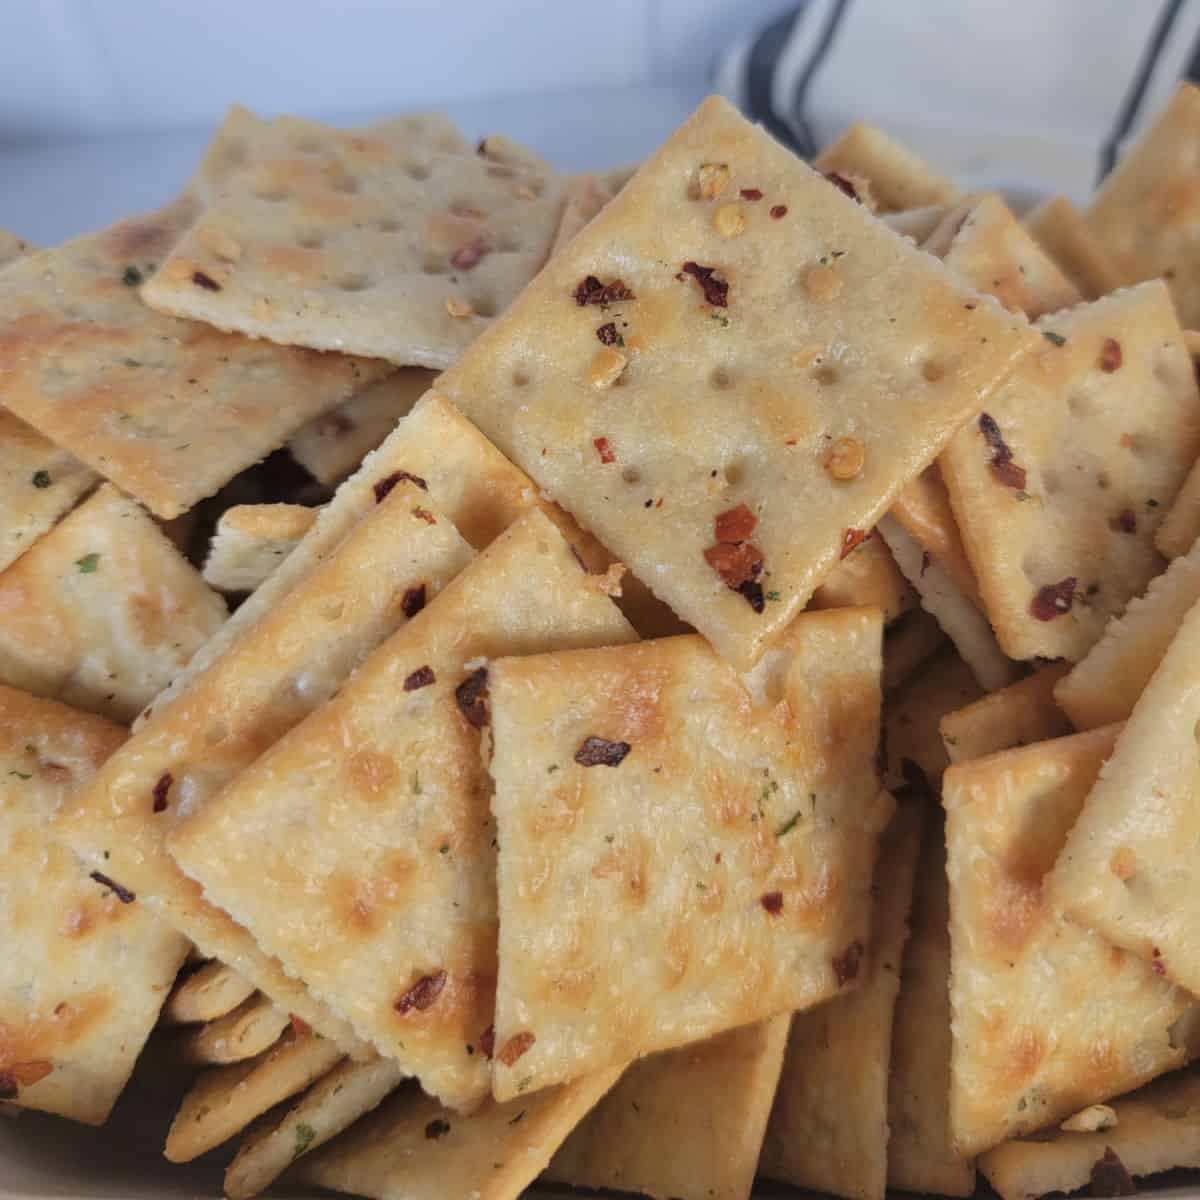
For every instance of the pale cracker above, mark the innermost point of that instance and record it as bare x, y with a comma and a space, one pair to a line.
358, 850
583, 197
413, 1149
83, 974
867, 576
1060, 483
168, 410
954, 610
899, 179
923, 510
1131, 867
685, 1124
39, 483
467, 477
981, 241
209, 992
251, 540
715, 875
248, 1031
332, 1104
1181, 526
907, 643
829, 1124
1017, 715
786, 356
363, 245
225, 1100
103, 611
1105, 685
1144, 212
921, 1155
273, 676
12, 248
1060, 229
1157, 1129
916, 223
333, 446
911, 714
1047, 1016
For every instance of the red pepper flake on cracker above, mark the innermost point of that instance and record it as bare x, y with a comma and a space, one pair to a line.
772, 902
1110, 356
851, 540
207, 282
384, 486
1054, 599
604, 449
845, 966
516, 1046
751, 194
422, 677
413, 601
422, 993
592, 291
1003, 467
843, 185
470, 255
471, 698
716, 291
735, 524
600, 752
778, 211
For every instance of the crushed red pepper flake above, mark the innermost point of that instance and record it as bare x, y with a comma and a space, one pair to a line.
779, 210
413, 601
516, 1046
716, 291
423, 514
604, 449
1110, 1177
487, 1041
26, 1074
422, 993
1110, 356
422, 677
608, 334
384, 486
592, 291
772, 902
851, 540
207, 282
300, 1027
735, 524
600, 752
735, 563
437, 1128
1125, 521
123, 894
161, 788
1156, 962
471, 698
843, 185
751, 194
845, 965
468, 256
1003, 467
1054, 599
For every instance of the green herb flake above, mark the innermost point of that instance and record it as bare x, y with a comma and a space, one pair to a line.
551, 768
721, 319
131, 277
88, 563
1152, 503
772, 595
1055, 339
789, 824
305, 1136
1023, 496
444, 848
416, 783
41, 479
21, 774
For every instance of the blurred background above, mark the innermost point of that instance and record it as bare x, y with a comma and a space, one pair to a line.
105, 104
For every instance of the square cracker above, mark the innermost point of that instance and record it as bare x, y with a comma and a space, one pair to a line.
209, 992
1157, 1129
685, 1124
355, 242
225, 1100
811, 326
333, 446
867, 577
251, 540
1060, 229
1048, 1016
39, 482
268, 680
835, 1139
681, 852
897, 178
923, 510
359, 849
920, 1151
1131, 867
466, 477
1106, 684
169, 410
1059, 485
413, 1149
1144, 213
332, 1104
1017, 715
102, 611
83, 974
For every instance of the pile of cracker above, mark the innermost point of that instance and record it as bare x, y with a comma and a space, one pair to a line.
740, 719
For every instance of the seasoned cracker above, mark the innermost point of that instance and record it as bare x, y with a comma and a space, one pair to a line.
363, 244
867, 577
829, 1123
583, 197
907, 643
168, 410
413, 1149
1048, 1017
1059, 485
1018, 715
359, 849
1061, 230
248, 1031
332, 1104
39, 483
251, 540
1131, 867
267, 681
685, 1124
333, 446
772, 326
84, 972
103, 611
213, 990
224, 1100
678, 855
1181, 526
916, 223
923, 510
1157, 1129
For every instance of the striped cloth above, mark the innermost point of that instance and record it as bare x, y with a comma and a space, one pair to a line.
1027, 95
